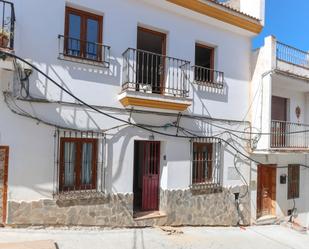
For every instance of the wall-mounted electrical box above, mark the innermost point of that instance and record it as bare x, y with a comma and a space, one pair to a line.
283, 179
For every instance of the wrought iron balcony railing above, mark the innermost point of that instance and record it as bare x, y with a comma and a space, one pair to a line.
7, 25
292, 55
287, 135
148, 72
73, 49
208, 77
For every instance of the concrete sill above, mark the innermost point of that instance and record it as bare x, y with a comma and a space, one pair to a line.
148, 215
267, 220
289, 149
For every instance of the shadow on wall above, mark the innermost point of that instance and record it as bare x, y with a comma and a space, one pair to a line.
211, 92
68, 74
116, 165
82, 72
201, 93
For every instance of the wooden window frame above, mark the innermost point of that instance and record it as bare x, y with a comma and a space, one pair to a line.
163, 45
78, 164
212, 60
209, 177
83, 29
293, 181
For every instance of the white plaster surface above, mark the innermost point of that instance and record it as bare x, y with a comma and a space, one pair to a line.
31, 144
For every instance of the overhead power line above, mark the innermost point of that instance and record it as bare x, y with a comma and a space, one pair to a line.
192, 136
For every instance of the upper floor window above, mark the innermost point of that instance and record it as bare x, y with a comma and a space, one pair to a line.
204, 68
204, 62
83, 34
78, 164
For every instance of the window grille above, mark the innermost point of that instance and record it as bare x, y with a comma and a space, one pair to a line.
206, 164
79, 164
7, 25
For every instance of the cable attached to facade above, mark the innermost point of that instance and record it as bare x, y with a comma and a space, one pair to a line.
4, 54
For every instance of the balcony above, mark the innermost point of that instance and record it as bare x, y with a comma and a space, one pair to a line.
154, 81
7, 25
288, 135
208, 77
292, 60
86, 52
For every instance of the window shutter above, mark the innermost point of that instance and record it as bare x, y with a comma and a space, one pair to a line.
293, 181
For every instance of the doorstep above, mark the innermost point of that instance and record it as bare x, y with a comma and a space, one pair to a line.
267, 220
43, 244
148, 215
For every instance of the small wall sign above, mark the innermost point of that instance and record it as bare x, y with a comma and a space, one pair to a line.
298, 112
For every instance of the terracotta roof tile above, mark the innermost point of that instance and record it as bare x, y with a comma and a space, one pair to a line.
225, 5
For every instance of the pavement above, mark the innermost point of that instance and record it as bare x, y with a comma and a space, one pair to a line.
259, 237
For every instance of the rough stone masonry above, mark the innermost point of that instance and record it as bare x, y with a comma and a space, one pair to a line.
182, 207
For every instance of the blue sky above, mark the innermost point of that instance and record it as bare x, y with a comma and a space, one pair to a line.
288, 20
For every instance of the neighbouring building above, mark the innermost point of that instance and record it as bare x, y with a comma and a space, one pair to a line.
130, 113
280, 118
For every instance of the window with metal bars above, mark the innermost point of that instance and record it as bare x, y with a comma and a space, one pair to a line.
206, 163
78, 158
293, 181
80, 166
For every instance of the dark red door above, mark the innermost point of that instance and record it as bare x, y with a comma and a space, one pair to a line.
151, 176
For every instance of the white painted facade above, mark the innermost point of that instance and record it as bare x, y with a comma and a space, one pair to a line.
275, 75
32, 143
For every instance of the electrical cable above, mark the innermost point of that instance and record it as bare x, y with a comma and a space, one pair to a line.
136, 111
122, 120
22, 80
144, 127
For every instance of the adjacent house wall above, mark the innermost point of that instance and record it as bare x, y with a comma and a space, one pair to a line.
262, 65
268, 80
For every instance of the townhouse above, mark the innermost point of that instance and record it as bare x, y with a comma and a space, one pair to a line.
127, 113
280, 120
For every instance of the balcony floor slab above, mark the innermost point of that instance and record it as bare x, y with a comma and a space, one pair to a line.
133, 98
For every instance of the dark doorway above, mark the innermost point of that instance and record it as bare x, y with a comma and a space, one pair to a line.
146, 175
279, 108
204, 63
279, 118
150, 60
266, 191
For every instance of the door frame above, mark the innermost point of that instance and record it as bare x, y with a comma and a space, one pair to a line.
142, 169
5, 183
163, 45
272, 209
